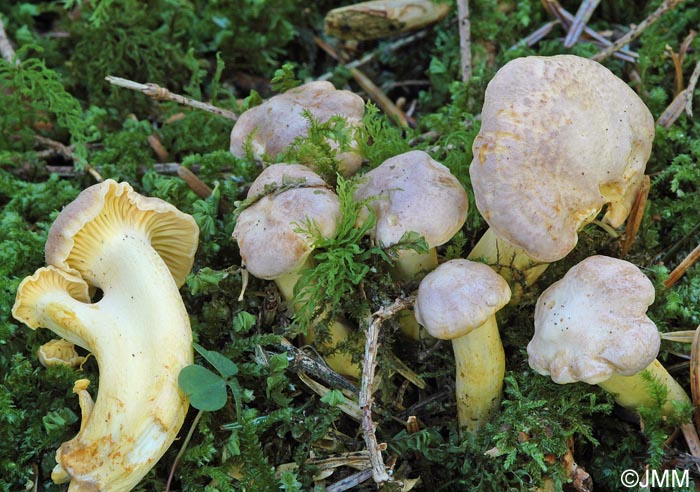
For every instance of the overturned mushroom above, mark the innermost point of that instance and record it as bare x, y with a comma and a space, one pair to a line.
561, 137
458, 301
412, 192
272, 126
382, 18
591, 326
271, 241
137, 250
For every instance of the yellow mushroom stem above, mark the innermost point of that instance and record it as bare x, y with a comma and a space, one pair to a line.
510, 262
480, 368
140, 335
339, 330
408, 266
633, 391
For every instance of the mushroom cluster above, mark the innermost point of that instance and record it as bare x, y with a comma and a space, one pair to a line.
561, 139
137, 251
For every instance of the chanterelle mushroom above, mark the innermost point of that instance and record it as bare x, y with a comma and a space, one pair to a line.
458, 301
591, 326
137, 250
271, 241
272, 126
59, 352
561, 137
412, 192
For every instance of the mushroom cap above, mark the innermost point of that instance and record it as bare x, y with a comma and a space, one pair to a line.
275, 123
267, 232
413, 192
592, 323
103, 210
27, 308
59, 352
561, 137
459, 296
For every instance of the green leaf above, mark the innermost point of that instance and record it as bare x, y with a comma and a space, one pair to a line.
243, 322
59, 418
333, 398
206, 390
225, 366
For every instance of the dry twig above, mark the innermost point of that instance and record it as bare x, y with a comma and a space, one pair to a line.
695, 376
566, 19
162, 94
536, 36
583, 15
350, 482
371, 88
200, 188
158, 147
6, 49
187, 440
379, 51
67, 153
636, 214
634, 33
464, 39
682, 267
300, 362
379, 472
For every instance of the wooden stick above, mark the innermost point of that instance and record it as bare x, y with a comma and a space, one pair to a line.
566, 18
6, 49
683, 266
464, 39
157, 147
634, 221
351, 481
379, 472
682, 102
67, 153
382, 49
197, 185
695, 376
372, 90
181, 453
537, 35
634, 33
162, 94
583, 15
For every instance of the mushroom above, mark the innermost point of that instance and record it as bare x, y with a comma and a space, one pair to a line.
458, 301
59, 352
591, 326
137, 251
377, 19
272, 126
272, 244
411, 192
561, 137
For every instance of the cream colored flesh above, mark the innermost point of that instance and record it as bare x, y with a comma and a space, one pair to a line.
139, 333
